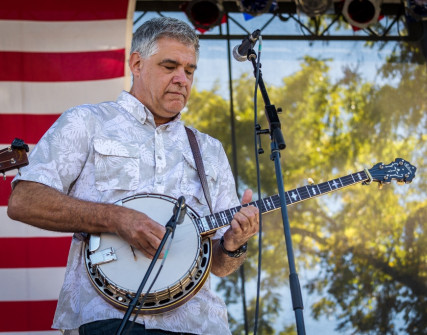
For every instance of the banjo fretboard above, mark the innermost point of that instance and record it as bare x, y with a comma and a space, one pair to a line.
215, 221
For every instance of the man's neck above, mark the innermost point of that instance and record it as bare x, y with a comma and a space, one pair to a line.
158, 120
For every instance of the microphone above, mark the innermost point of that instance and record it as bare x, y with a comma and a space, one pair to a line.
240, 52
179, 211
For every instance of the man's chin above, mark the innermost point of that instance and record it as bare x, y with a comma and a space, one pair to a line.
175, 108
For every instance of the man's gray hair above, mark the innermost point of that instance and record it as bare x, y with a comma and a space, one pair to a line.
145, 38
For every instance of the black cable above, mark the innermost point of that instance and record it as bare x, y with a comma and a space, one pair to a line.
138, 310
258, 184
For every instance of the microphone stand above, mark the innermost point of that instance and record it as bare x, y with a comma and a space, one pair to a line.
177, 218
277, 144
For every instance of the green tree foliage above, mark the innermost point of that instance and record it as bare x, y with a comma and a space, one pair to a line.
362, 251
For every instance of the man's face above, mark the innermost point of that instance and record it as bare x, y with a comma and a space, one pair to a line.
163, 81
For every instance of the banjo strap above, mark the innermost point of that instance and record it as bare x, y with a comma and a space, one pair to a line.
199, 165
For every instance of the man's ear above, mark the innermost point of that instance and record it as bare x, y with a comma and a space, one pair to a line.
135, 61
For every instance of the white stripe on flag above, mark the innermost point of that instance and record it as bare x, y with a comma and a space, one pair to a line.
11, 228
32, 284
62, 36
55, 98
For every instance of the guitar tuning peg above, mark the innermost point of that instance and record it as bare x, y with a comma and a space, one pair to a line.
310, 181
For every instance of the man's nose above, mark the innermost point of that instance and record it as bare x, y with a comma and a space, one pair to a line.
179, 77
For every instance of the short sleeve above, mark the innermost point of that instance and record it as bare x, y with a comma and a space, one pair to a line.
59, 156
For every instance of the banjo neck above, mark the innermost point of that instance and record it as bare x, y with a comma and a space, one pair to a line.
212, 222
400, 170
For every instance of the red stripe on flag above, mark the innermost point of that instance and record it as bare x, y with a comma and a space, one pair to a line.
34, 252
54, 10
5, 190
52, 67
16, 316
28, 127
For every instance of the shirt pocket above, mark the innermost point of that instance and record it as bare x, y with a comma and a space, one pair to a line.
116, 165
191, 185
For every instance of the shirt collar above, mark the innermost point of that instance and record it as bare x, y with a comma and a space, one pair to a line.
134, 107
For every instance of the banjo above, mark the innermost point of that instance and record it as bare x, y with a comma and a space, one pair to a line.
14, 156
116, 269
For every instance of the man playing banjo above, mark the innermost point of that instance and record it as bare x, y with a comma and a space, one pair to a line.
95, 155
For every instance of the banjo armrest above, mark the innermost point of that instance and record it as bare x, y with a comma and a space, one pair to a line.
94, 242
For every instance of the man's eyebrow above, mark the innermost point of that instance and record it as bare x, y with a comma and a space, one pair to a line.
172, 61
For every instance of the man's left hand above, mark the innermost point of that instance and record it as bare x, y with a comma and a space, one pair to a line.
244, 225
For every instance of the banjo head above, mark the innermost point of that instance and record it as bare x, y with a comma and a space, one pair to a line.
117, 270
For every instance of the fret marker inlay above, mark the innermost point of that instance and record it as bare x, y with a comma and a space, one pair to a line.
294, 196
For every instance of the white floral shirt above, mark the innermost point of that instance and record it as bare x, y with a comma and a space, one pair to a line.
113, 150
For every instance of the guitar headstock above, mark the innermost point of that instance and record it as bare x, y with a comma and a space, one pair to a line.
13, 157
400, 170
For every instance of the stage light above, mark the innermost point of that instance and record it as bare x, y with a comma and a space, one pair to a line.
256, 7
417, 9
313, 7
361, 13
204, 14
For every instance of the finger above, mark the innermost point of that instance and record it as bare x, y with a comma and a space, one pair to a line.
158, 231
250, 216
247, 196
243, 223
243, 217
153, 227
150, 254
249, 211
236, 227
149, 250
145, 252
155, 242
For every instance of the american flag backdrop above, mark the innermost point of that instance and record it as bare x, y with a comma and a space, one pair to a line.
54, 54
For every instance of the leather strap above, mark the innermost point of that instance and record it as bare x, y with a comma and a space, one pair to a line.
199, 165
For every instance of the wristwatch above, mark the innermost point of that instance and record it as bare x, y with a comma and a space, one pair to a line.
236, 253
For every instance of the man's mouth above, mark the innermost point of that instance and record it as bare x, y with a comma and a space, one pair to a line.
177, 94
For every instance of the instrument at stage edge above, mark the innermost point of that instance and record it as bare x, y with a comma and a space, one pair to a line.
116, 269
14, 156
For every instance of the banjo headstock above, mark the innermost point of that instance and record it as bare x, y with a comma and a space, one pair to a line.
14, 156
400, 170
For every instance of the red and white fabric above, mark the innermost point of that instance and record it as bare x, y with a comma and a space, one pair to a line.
53, 55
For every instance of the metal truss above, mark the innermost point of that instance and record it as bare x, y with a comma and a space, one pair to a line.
392, 26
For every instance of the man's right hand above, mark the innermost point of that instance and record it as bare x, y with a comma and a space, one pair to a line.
140, 231
44, 207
